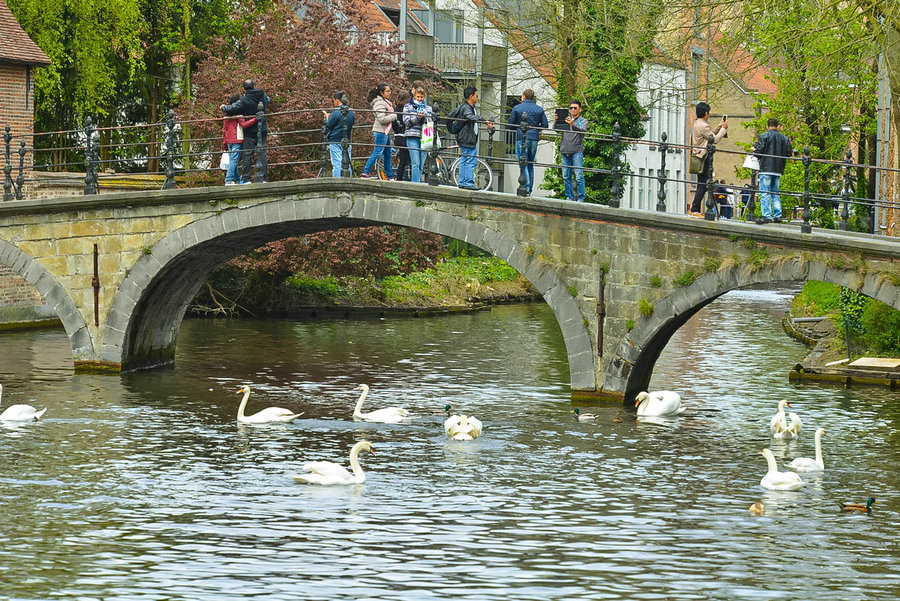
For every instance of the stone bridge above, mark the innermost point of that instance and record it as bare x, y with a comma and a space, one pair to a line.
620, 282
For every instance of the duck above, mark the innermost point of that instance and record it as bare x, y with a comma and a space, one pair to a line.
388, 415
805, 464
462, 427
20, 413
266, 416
328, 473
757, 509
659, 403
445, 411
583, 417
851, 507
775, 480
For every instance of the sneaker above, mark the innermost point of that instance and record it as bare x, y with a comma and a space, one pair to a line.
366, 176
231, 183
461, 187
777, 220
763, 220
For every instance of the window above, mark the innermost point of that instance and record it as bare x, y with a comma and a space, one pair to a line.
448, 26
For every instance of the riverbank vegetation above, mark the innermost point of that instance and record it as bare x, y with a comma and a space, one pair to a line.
869, 326
383, 267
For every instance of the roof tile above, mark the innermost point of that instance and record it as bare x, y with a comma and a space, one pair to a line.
15, 45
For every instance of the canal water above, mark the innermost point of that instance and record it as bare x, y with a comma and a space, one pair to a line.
145, 487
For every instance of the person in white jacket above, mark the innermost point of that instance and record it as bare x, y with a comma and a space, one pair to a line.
383, 111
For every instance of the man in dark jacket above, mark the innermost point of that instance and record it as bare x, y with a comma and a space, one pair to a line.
528, 112
467, 138
338, 125
772, 148
248, 105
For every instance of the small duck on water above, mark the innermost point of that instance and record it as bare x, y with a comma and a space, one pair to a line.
583, 417
757, 509
853, 507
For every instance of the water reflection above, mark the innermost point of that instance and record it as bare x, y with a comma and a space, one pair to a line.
145, 486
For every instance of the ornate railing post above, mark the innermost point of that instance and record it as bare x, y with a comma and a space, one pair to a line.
432, 172
751, 204
90, 166
806, 227
325, 163
615, 189
261, 159
522, 190
7, 166
710, 214
169, 184
845, 195
20, 181
345, 142
662, 174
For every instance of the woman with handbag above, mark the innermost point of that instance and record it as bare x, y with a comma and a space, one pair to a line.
385, 116
232, 143
416, 116
699, 139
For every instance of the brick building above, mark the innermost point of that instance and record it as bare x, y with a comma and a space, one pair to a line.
19, 56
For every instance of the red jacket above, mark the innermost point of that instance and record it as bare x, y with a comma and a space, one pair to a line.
229, 130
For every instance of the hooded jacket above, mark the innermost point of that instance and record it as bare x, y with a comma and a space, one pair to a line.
248, 105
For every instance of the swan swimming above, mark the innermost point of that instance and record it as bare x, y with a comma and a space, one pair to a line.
388, 415
775, 480
328, 473
462, 427
20, 413
659, 403
266, 416
805, 464
779, 426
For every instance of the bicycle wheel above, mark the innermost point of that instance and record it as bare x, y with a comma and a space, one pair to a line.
484, 177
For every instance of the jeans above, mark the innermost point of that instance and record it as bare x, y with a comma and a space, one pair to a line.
699, 196
467, 164
337, 158
234, 161
573, 162
416, 158
530, 152
382, 149
769, 199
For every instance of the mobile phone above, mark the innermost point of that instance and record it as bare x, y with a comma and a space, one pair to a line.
725, 118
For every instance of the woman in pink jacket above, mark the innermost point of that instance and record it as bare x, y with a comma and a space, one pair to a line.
383, 110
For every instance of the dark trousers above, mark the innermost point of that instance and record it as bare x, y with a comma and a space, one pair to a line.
403, 158
701, 189
249, 149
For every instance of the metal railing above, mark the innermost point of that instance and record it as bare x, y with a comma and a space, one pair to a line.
294, 151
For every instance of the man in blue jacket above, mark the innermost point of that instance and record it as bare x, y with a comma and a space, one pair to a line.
338, 124
772, 148
248, 105
528, 112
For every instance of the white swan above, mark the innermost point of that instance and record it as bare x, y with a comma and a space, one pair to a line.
805, 464
778, 423
779, 426
661, 402
20, 413
462, 427
266, 416
775, 480
388, 415
328, 473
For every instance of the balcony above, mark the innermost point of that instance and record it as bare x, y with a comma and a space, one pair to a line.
456, 59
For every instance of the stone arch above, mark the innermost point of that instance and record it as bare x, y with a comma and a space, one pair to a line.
632, 367
148, 308
56, 296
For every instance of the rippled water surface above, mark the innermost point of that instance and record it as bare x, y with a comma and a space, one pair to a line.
144, 487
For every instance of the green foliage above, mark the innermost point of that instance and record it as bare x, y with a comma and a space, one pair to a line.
758, 256
326, 286
749, 243
685, 279
711, 264
655, 281
817, 299
645, 307
733, 237
629, 325
852, 304
882, 326
573, 291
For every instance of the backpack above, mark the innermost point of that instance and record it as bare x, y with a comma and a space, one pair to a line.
454, 125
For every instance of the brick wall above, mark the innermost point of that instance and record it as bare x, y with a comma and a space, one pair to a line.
17, 110
20, 302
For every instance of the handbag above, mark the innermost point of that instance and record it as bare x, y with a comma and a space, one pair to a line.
696, 164
239, 133
427, 138
225, 161
751, 161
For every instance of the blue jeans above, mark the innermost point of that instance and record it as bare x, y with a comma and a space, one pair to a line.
234, 163
416, 158
569, 161
769, 199
337, 158
382, 149
530, 152
467, 164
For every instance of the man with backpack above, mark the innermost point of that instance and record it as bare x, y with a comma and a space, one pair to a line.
528, 112
467, 121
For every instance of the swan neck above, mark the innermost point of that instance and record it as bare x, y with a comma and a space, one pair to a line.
358, 411
354, 458
243, 404
770, 459
819, 458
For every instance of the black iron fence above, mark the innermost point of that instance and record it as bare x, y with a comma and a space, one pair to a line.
174, 156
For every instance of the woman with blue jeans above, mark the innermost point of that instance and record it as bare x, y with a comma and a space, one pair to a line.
384, 114
415, 114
